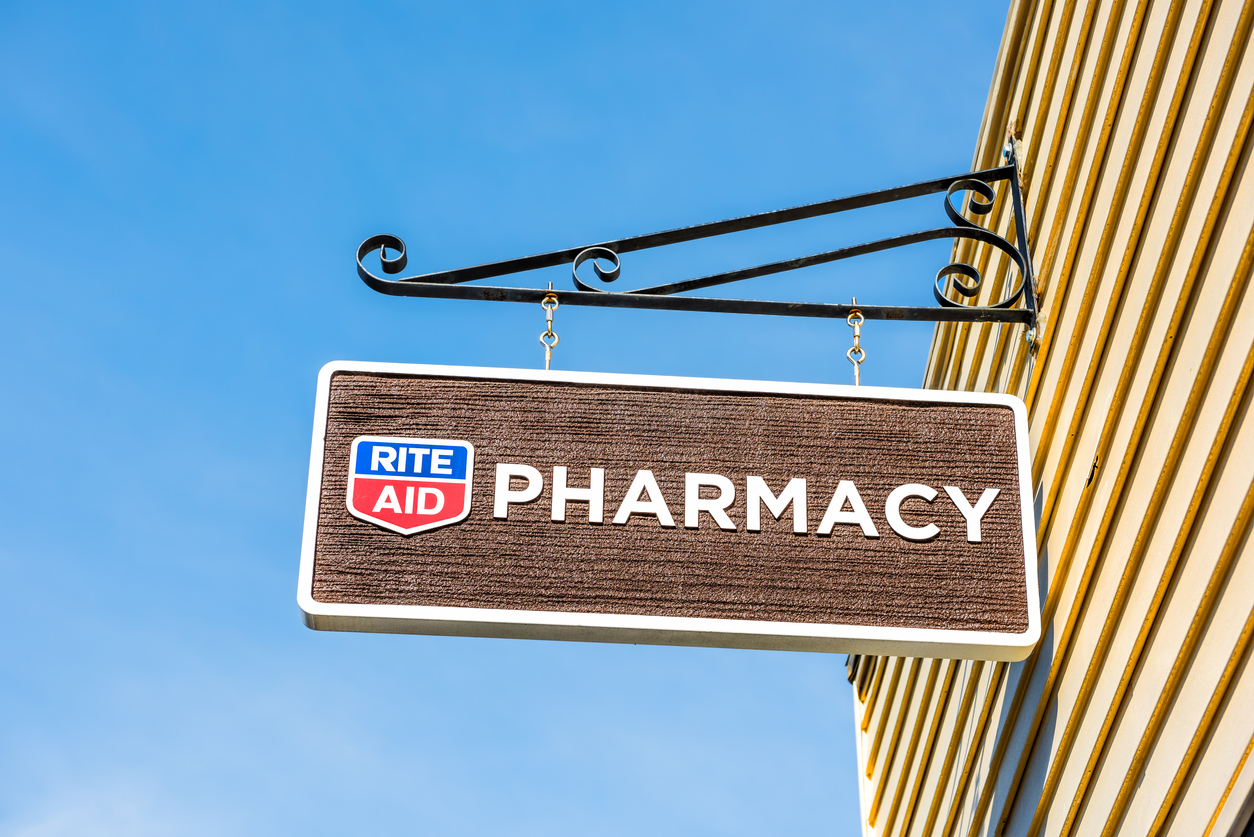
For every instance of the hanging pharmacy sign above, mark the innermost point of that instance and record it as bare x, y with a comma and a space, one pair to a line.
678, 511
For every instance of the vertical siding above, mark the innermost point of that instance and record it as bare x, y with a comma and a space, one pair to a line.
1135, 715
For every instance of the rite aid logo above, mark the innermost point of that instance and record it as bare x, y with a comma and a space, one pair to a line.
410, 485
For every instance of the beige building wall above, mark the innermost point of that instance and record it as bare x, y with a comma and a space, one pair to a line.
1135, 715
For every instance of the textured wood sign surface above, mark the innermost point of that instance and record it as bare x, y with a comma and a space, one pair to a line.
669, 510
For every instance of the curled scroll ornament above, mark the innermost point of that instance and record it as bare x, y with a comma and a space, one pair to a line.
980, 203
383, 242
596, 255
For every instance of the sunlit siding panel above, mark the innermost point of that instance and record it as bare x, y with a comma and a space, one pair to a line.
1132, 716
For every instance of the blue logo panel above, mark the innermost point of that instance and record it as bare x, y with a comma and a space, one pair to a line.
411, 458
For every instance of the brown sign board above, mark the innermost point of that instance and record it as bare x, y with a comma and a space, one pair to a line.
680, 511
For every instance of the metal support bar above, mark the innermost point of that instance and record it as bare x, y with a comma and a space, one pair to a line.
450, 284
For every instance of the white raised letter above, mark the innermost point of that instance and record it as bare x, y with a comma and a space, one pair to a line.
644, 483
757, 493
388, 500
419, 454
441, 461
892, 510
694, 503
423, 494
384, 456
503, 495
593, 495
973, 515
846, 491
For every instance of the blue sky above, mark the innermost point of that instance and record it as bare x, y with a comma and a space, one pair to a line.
182, 190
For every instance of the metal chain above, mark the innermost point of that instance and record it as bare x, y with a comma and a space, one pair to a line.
856, 354
549, 338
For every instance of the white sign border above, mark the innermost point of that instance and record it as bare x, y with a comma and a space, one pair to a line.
668, 630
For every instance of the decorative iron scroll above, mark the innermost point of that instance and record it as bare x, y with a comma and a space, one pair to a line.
962, 278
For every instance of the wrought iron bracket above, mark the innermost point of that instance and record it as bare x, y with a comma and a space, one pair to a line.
1017, 306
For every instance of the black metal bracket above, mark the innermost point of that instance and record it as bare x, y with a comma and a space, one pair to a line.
450, 284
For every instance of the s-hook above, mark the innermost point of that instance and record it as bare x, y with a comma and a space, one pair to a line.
549, 337
856, 354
